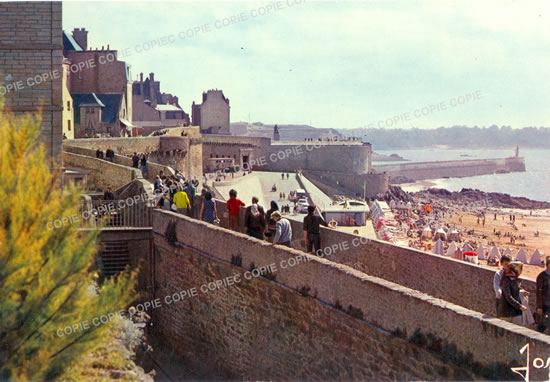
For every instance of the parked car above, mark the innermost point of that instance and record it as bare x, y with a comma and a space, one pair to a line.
302, 205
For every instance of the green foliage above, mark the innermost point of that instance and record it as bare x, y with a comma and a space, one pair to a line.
45, 276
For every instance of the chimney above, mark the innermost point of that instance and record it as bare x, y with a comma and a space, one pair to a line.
81, 37
152, 77
141, 77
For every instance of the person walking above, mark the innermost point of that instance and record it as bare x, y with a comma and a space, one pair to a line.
143, 163
181, 200
99, 153
135, 160
233, 206
283, 230
543, 298
208, 211
110, 155
270, 223
312, 232
497, 279
511, 308
254, 220
190, 191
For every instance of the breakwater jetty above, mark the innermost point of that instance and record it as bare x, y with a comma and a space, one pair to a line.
407, 172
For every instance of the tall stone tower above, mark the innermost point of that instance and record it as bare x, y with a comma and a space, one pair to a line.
31, 66
213, 114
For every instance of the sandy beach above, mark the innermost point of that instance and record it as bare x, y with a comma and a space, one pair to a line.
527, 225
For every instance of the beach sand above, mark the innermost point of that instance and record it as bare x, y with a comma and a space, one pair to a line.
526, 226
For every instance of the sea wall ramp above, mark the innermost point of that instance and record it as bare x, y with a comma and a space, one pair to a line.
405, 172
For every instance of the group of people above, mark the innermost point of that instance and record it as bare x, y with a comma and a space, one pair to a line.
108, 155
270, 225
140, 161
511, 300
176, 193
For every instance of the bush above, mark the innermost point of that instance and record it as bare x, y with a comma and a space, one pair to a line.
45, 274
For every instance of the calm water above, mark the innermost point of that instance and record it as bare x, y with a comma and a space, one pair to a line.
533, 184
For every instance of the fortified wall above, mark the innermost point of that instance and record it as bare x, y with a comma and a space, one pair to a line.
180, 153
456, 169
343, 165
249, 309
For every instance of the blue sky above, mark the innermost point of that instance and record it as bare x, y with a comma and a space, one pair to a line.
340, 64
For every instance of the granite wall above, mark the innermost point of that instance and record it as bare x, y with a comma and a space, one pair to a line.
308, 317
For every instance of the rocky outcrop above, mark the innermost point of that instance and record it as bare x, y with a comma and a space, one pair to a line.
488, 199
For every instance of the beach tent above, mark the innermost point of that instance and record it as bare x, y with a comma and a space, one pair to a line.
392, 204
522, 256
453, 235
508, 252
401, 205
409, 206
452, 250
458, 254
471, 257
440, 235
438, 247
466, 248
494, 254
536, 258
481, 252
427, 232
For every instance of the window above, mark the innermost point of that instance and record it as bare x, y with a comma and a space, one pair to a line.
69, 125
69, 105
216, 155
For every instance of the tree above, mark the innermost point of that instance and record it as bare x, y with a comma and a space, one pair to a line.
46, 275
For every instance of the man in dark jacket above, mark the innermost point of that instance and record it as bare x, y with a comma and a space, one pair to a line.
510, 307
312, 232
254, 220
543, 298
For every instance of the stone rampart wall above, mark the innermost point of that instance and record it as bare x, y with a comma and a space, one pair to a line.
245, 328
464, 168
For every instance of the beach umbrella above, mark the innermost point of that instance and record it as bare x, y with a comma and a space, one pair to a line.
508, 252
438, 247
466, 248
536, 258
494, 254
481, 252
452, 250
522, 256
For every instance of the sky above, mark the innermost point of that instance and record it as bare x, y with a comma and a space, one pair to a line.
345, 64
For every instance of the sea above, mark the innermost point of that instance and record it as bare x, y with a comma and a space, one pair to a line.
534, 183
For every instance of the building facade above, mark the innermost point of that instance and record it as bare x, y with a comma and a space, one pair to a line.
98, 75
153, 110
213, 114
68, 104
31, 55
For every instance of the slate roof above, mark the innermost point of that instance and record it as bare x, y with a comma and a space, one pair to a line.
69, 43
109, 103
